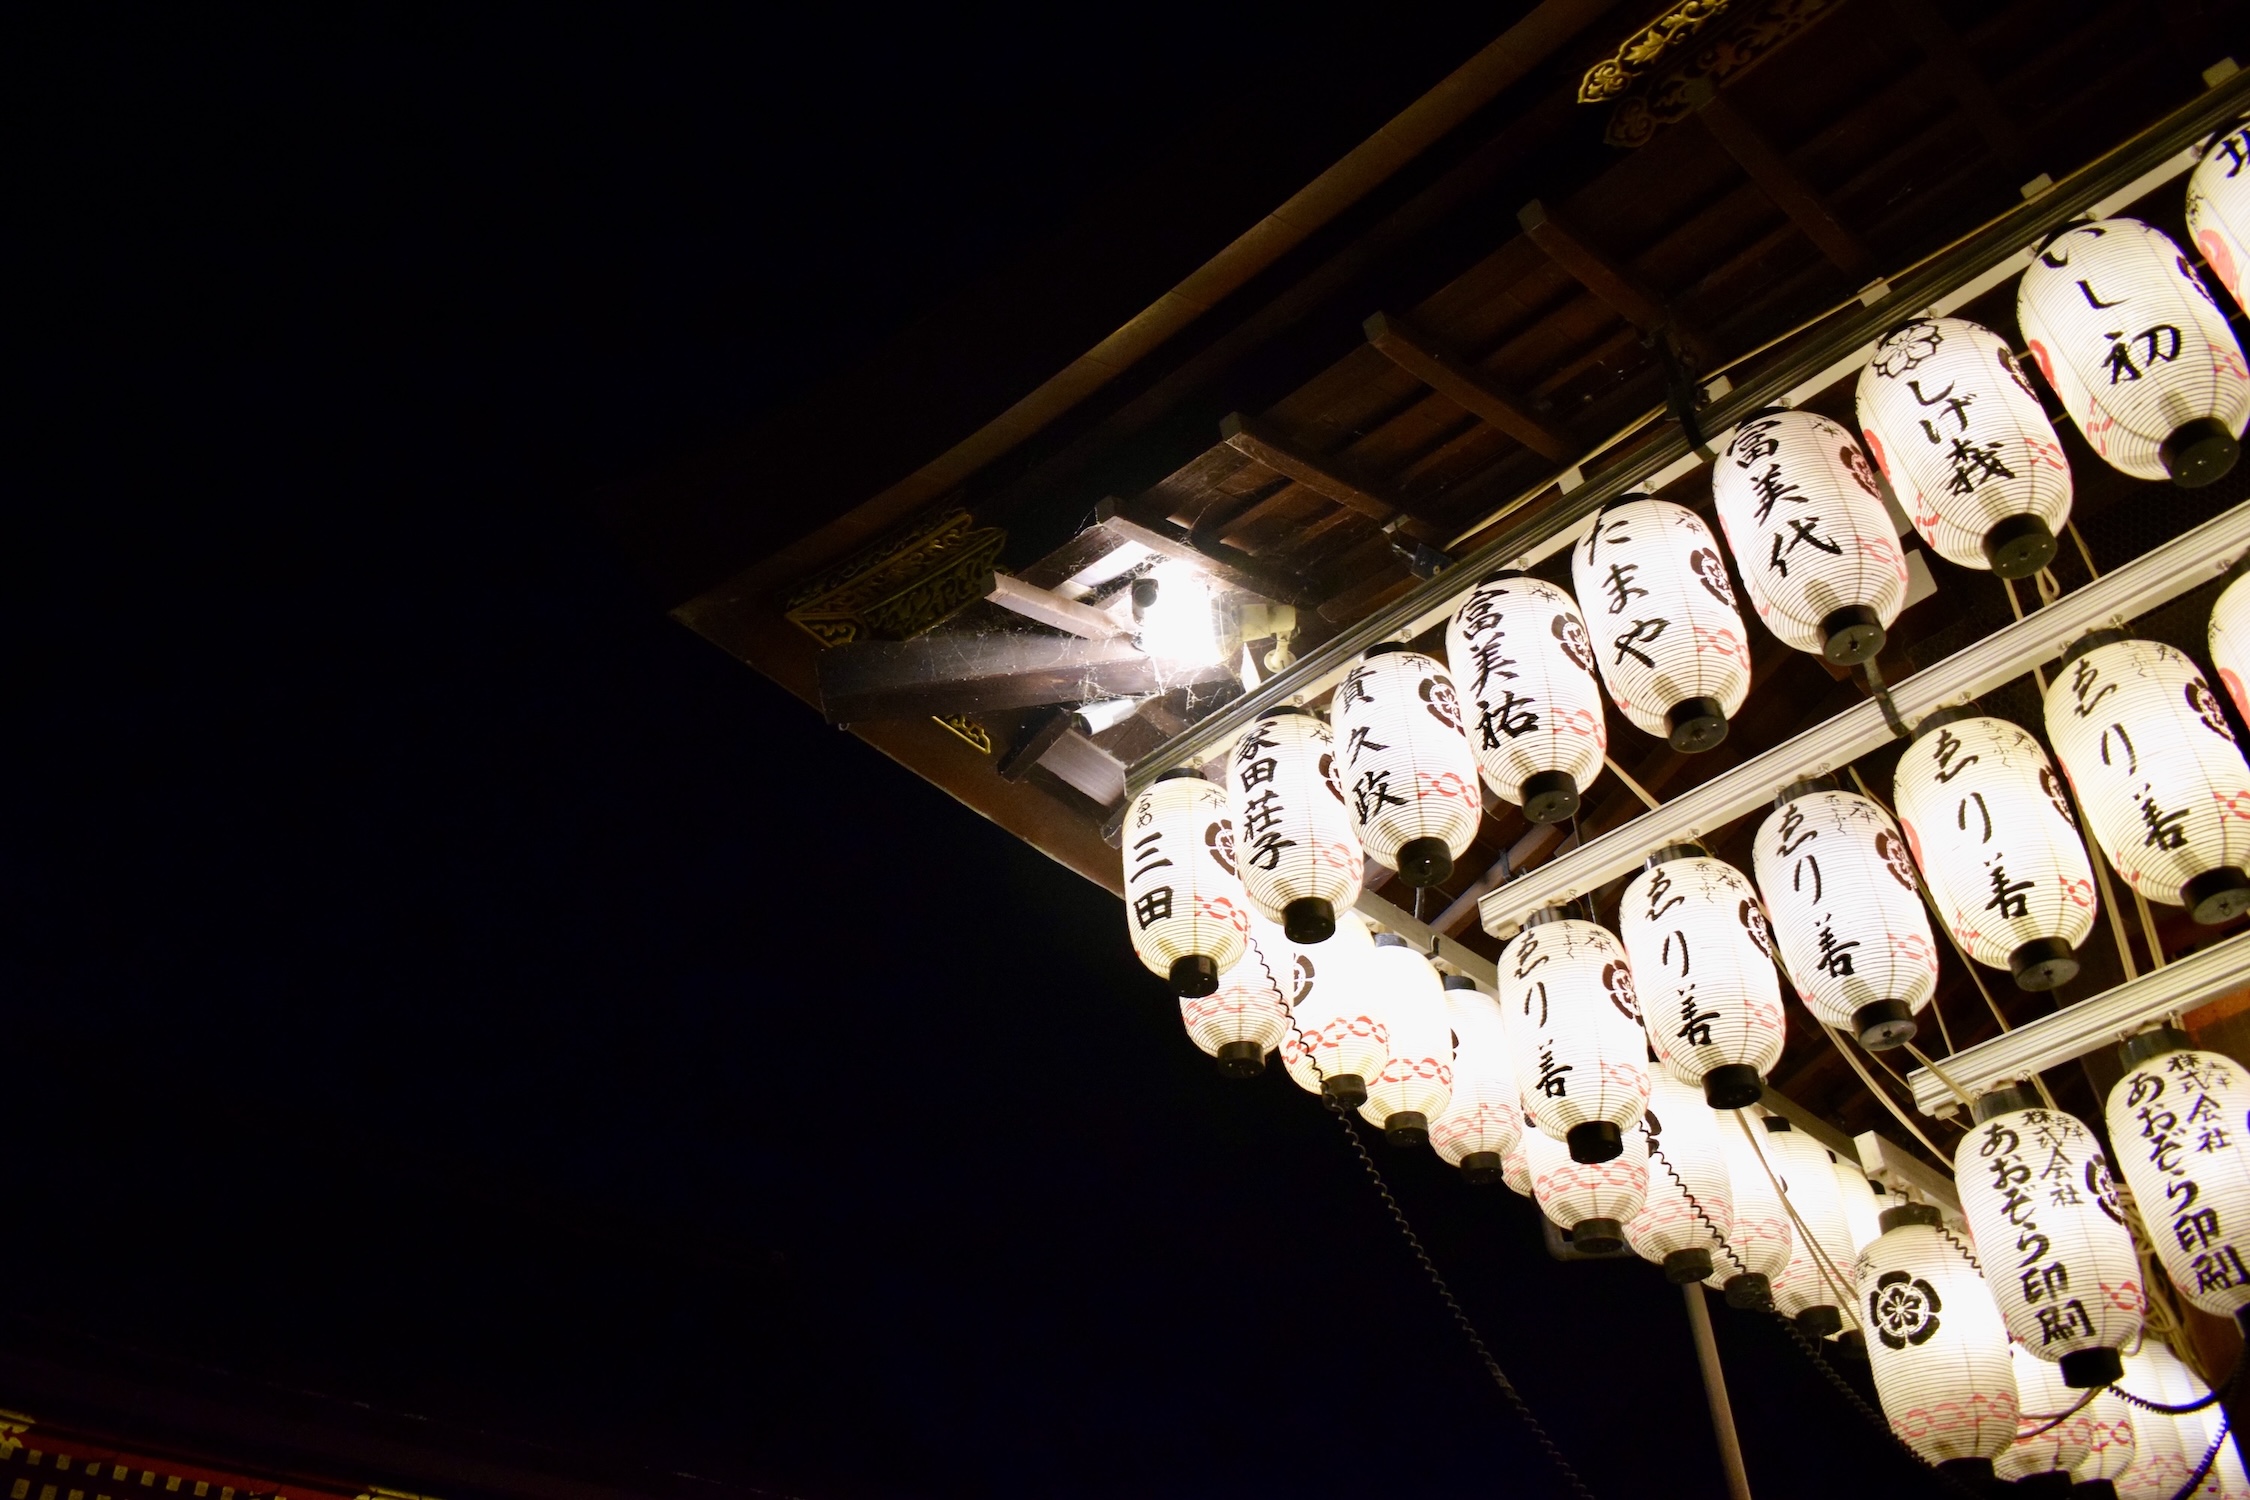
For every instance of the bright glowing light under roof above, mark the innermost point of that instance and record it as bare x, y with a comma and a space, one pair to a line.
1182, 625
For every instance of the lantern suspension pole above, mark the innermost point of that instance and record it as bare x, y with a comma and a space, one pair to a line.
1630, 784
1715, 1390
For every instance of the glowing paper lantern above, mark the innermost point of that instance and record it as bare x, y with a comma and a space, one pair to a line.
2034, 1182
1808, 529
2175, 1384
1516, 1165
2161, 1460
2146, 744
1856, 1195
1482, 1121
2138, 351
1248, 1015
1853, 933
1294, 846
2110, 1452
2044, 1445
1580, 1053
2177, 1122
1340, 1039
1184, 905
1954, 424
1669, 643
1689, 1209
1756, 1254
1591, 1201
2230, 635
2218, 211
1522, 659
1416, 1084
1816, 1285
1409, 776
1992, 831
1703, 960
1937, 1345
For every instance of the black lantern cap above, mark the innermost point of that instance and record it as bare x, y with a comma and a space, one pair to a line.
2090, 1369
1391, 940
1750, 1291
1308, 919
1384, 648
1687, 1267
1544, 915
1347, 1089
1502, 575
1598, 1236
1182, 773
1976, 1473
2092, 640
1819, 1322
1695, 725
1284, 710
1459, 982
1194, 975
1594, 1141
1424, 861
2154, 1042
1852, 635
1804, 787
1908, 1213
2054, 1484
2004, 1101
2093, 1489
2043, 964
1484, 1169
1549, 797
1884, 1024
1733, 1086
2217, 896
1240, 1059
1409, 1127
2199, 452
1671, 852
1937, 719
2018, 546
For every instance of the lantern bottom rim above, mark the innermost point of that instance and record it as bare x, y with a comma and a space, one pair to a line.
2052, 1482
2019, 546
1749, 1291
1549, 797
1819, 1322
1694, 725
1594, 1141
1194, 975
1687, 1267
1972, 1470
2217, 896
2199, 452
2093, 1489
1851, 635
1484, 1169
1240, 1059
2089, 1369
1309, 919
1851, 1342
1409, 1127
1347, 1089
1424, 861
2043, 964
1733, 1086
1597, 1236
1884, 1024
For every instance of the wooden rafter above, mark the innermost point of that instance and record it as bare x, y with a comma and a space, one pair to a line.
1153, 532
1922, 21
947, 673
1428, 361
1258, 440
1778, 180
1630, 297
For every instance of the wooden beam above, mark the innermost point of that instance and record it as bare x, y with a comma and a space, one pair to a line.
1234, 568
1052, 609
1926, 25
1778, 180
1257, 440
1462, 383
950, 673
1082, 764
1627, 294
1039, 732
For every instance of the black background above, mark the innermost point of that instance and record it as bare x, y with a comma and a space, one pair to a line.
436, 980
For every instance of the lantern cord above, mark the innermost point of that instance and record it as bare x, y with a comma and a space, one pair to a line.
1961, 1245
1630, 784
2203, 1469
1878, 1091
1926, 1061
2079, 537
1507, 1387
1827, 1268
2059, 1418
1882, 692
2148, 928
2037, 675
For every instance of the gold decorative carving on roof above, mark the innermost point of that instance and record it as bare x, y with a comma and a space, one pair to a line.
1647, 48
902, 584
1749, 35
978, 737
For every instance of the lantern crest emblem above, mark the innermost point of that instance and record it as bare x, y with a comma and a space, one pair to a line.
1903, 1309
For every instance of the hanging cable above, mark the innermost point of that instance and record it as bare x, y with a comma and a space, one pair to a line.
1630, 784
1968, 1101
1889, 1103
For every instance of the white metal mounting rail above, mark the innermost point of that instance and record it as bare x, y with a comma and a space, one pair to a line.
2075, 1030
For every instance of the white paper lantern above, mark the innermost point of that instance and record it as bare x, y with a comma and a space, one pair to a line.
1756, 1253
1809, 533
2179, 1121
1516, 1164
1954, 424
1299, 859
1581, 1057
1591, 1201
1669, 643
1689, 1211
2110, 1452
2175, 1384
1409, 776
1853, 934
1416, 1085
1815, 1288
1524, 664
2161, 1457
2140, 354
2230, 635
2218, 211
1987, 820
1340, 1039
2059, 1260
1248, 1015
1703, 961
2148, 749
2044, 1445
1482, 1121
1862, 1210
1184, 906
1937, 1345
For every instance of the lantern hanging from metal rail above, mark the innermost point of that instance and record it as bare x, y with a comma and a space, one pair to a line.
2218, 211
1954, 425
1937, 1345
2112, 1445
2162, 1459
1340, 1040
1524, 664
1580, 1053
2229, 635
1689, 1210
1184, 905
1809, 534
1853, 934
1590, 1201
1703, 961
1410, 778
2035, 1180
1756, 1254
2130, 339
1299, 858
1248, 1015
1988, 822
1483, 1120
2147, 747
1416, 1085
2177, 1123
1856, 1195
2044, 1445
1815, 1287
1668, 640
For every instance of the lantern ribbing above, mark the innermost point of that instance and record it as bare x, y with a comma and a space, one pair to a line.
1523, 660
1409, 776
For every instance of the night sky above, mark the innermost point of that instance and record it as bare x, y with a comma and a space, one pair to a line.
437, 980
